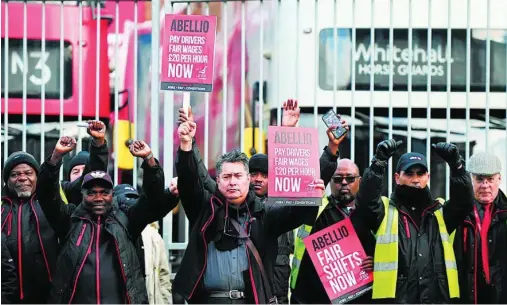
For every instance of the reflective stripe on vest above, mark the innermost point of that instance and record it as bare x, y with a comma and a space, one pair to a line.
299, 246
385, 272
62, 195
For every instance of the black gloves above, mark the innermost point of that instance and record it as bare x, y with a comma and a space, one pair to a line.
449, 152
386, 149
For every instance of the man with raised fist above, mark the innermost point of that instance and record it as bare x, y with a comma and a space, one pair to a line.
96, 158
233, 244
98, 261
414, 260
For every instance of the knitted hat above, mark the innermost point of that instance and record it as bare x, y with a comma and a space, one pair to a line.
80, 159
484, 163
17, 158
258, 164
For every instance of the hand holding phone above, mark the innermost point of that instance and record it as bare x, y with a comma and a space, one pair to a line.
331, 119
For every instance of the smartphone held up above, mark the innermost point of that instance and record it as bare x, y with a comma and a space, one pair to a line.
332, 119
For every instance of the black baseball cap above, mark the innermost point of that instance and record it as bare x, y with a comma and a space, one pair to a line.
97, 177
126, 190
410, 159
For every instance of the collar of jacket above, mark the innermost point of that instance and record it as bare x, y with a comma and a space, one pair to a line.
500, 204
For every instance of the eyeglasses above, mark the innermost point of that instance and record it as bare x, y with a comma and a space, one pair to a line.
349, 179
479, 179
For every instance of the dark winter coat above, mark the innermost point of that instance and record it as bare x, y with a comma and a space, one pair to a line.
270, 222
10, 284
75, 228
32, 243
421, 267
467, 245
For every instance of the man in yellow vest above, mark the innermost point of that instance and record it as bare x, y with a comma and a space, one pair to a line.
414, 260
305, 282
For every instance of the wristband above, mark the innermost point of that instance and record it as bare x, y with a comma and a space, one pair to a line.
148, 157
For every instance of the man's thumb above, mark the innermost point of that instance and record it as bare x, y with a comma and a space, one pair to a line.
434, 145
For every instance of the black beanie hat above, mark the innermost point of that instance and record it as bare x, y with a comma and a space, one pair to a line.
17, 158
258, 164
80, 159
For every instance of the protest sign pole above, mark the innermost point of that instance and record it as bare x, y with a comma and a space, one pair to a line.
186, 102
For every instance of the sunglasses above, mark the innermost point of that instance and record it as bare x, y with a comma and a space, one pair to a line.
349, 179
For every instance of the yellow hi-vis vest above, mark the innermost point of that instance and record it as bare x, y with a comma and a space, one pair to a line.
299, 246
386, 254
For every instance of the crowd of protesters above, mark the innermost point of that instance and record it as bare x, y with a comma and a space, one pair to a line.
85, 240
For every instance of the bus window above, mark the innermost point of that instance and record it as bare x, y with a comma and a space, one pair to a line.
42, 69
401, 58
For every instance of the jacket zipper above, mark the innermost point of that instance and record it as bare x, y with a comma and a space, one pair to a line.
407, 229
97, 258
9, 224
40, 241
82, 263
410, 218
20, 254
78, 243
203, 229
250, 272
122, 271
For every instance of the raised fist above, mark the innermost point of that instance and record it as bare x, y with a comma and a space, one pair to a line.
173, 187
182, 117
96, 129
140, 149
449, 152
64, 146
386, 149
291, 113
186, 131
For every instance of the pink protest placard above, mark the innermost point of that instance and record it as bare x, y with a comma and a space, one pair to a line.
293, 166
337, 253
188, 52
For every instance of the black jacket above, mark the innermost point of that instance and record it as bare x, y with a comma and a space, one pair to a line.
467, 245
10, 285
271, 221
32, 243
282, 266
308, 288
99, 157
421, 267
74, 227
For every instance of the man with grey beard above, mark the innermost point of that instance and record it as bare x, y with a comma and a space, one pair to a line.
29, 238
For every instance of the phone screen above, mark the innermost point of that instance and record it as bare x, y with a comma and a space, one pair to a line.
331, 119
